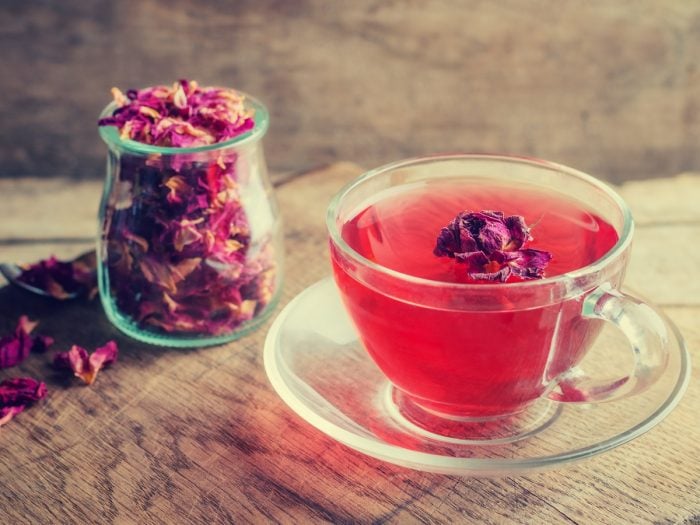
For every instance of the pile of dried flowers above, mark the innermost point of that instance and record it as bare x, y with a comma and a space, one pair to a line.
180, 255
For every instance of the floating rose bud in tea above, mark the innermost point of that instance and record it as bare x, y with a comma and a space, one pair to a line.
491, 246
190, 249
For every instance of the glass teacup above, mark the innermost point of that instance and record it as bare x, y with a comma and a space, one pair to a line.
460, 352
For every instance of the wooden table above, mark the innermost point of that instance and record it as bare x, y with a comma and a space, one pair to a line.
199, 436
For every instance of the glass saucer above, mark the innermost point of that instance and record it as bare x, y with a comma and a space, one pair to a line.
317, 365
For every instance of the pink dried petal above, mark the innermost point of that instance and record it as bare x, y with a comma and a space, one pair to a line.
84, 365
500, 275
454, 239
519, 232
104, 356
25, 325
16, 394
178, 188
7, 413
530, 263
149, 112
21, 390
494, 235
475, 261
186, 233
119, 98
13, 350
16, 347
179, 97
167, 276
77, 360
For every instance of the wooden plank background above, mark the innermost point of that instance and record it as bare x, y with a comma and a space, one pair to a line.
612, 88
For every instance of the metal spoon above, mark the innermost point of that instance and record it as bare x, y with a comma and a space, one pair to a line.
12, 272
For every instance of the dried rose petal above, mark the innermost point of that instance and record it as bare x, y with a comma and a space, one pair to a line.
529, 263
84, 365
62, 279
16, 347
18, 393
7, 413
492, 246
182, 116
21, 390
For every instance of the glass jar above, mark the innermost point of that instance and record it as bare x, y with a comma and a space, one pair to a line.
190, 245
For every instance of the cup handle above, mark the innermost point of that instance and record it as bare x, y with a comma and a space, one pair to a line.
648, 335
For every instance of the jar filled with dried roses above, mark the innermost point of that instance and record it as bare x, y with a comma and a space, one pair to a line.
190, 246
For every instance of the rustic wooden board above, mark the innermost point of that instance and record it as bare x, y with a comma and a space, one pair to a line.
199, 435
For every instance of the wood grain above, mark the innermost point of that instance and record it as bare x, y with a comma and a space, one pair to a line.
612, 88
199, 436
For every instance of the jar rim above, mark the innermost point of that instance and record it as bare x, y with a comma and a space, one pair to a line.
261, 116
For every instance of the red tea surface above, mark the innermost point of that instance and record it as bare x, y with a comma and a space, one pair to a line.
399, 230
469, 363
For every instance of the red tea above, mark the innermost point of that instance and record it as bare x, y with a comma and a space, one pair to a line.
469, 362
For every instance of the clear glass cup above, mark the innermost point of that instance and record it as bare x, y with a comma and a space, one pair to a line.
190, 248
445, 378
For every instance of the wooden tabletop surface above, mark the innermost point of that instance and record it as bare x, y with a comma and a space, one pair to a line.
200, 436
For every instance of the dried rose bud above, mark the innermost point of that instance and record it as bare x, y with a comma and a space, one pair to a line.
16, 347
84, 365
18, 393
492, 246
